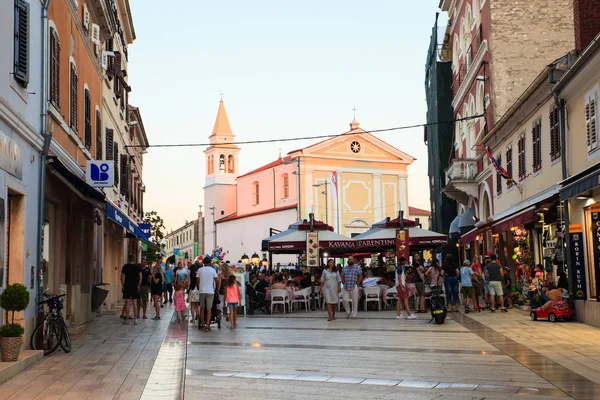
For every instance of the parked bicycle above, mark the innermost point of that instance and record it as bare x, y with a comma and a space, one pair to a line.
54, 329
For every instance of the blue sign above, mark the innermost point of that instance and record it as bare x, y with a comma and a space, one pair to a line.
117, 215
176, 252
145, 228
100, 173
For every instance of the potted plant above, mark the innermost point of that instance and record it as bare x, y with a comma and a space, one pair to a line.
14, 298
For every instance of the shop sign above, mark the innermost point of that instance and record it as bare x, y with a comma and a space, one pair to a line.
596, 244
575, 228
402, 244
578, 265
594, 207
196, 250
10, 156
100, 173
312, 249
145, 228
176, 252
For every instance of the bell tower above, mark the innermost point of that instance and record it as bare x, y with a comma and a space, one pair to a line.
220, 195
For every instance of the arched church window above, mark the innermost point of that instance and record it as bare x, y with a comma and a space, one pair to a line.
230, 164
208, 165
222, 163
255, 192
285, 183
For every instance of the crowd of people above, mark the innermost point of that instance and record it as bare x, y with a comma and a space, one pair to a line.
483, 287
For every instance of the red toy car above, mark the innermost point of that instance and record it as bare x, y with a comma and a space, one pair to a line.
559, 311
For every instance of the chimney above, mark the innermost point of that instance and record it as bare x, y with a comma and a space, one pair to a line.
586, 18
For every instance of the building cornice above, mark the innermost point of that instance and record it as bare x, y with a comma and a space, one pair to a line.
20, 124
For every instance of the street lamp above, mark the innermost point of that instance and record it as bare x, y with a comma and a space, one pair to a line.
245, 259
326, 183
265, 262
255, 259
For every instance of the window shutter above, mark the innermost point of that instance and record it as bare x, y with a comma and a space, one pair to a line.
21, 42
554, 134
499, 177
54, 70
536, 137
590, 123
509, 165
98, 136
521, 155
73, 117
87, 130
124, 175
110, 152
110, 70
116, 158
117, 87
86, 17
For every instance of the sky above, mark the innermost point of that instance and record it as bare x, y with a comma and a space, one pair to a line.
286, 70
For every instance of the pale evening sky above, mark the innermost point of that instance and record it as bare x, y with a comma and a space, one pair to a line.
287, 69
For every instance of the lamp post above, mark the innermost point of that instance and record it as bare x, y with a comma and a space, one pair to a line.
326, 183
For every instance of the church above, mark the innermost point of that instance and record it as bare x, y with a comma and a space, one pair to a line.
349, 181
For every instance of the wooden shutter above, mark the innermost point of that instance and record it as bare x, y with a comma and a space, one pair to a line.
87, 128
110, 70
509, 166
54, 70
98, 136
521, 155
554, 133
110, 150
591, 130
116, 155
499, 177
124, 174
536, 137
21, 43
117, 86
73, 99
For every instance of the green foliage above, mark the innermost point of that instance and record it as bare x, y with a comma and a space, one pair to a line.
14, 298
157, 228
11, 330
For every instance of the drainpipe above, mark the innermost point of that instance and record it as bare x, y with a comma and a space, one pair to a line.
560, 103
47, 136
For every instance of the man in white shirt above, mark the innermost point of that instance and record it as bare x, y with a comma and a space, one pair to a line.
206, 278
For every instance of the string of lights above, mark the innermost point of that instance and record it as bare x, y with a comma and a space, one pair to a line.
278, 140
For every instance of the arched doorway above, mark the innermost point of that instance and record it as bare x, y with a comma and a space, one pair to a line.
356, 226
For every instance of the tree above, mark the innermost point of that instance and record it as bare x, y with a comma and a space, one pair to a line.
157, 227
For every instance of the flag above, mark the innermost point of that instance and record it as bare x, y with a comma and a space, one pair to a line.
501, 170
333, 181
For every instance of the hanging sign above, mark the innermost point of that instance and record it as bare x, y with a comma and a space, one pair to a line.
596, 245
402, 244
578, 266
312, 249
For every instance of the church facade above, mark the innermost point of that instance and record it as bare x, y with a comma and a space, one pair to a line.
349, 181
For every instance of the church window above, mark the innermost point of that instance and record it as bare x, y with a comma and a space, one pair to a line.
285, 180
255, 193
222, 163
230, 164
208, 165
355, 147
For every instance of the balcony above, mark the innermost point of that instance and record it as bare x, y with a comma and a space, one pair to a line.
460, 180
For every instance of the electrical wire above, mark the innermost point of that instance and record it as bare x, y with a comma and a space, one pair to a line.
398, 128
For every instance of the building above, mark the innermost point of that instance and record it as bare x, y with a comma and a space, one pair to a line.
21, 89
187, 241
577, 94
369, 183
497, 49
438, 137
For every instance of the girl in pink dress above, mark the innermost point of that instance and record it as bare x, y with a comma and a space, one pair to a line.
232, 297
179, 302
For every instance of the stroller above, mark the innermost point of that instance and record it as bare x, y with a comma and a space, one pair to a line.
216, 313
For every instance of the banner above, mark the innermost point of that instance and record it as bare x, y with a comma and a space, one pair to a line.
312, 249
402, 244
333, 179
596, 245
196, 250
577, 263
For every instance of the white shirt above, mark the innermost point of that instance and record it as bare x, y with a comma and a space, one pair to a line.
207, 276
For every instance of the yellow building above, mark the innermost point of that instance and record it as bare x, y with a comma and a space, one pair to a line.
350, 181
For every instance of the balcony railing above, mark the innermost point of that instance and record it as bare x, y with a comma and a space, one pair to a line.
461, 169
466, 61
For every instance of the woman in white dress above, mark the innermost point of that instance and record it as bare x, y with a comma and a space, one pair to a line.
330, 287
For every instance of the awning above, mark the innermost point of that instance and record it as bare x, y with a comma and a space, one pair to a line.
454, 230
73, 181
122, 219
519, 218
470, 236
583, 184
467, 219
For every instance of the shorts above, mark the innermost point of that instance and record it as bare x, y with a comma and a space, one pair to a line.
420, 287
131, 294
143, 292
467, 291
401, 290
495, 288
233, 305
206, 299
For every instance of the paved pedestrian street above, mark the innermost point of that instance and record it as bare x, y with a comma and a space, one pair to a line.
301, 355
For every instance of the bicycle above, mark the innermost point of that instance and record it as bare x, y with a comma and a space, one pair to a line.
54, 328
